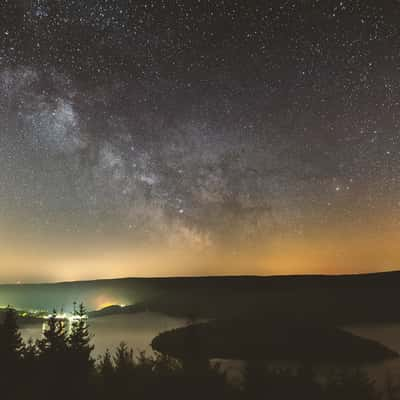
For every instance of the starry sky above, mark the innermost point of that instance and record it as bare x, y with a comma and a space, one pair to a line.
196, 137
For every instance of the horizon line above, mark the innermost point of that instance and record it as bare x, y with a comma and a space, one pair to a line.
167, 277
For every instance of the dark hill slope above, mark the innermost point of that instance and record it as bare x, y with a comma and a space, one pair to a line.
282, 340
340, 299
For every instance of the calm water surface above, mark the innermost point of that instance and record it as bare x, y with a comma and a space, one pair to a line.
137, 330
387, 334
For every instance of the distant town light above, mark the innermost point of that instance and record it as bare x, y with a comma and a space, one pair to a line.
68, 320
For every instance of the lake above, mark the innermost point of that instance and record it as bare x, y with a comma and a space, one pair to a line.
387, 334
137, 330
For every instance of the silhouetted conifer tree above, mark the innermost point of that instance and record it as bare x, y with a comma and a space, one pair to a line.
11, 344
106, 376
123, 359
105, 366
79, 339
31, 352
81, 363
29, 372
54, 341
125, 379
166, 366
53, 357
11, 349
144, 365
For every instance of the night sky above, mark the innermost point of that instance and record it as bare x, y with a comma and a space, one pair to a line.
147, 138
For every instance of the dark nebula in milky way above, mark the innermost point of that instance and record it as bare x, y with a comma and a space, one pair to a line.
193, 137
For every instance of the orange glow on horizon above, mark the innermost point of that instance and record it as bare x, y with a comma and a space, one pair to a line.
344, 249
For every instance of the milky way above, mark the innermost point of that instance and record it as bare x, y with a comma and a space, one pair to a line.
199, 124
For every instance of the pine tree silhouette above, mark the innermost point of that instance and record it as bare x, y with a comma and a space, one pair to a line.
106, 367
106, 372
54, 341
123, 359
81, 363
124, 370
79, 339
11, 350
53, 356
11, 344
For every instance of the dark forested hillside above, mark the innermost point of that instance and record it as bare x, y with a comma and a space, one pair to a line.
345, 299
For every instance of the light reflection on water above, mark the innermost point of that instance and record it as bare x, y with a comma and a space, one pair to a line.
137, 330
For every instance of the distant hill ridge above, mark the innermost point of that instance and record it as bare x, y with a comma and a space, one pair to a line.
345, 298
392, 277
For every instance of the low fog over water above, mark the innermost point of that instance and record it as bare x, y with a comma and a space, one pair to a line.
138, 330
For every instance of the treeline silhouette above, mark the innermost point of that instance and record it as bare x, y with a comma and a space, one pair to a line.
61, 366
